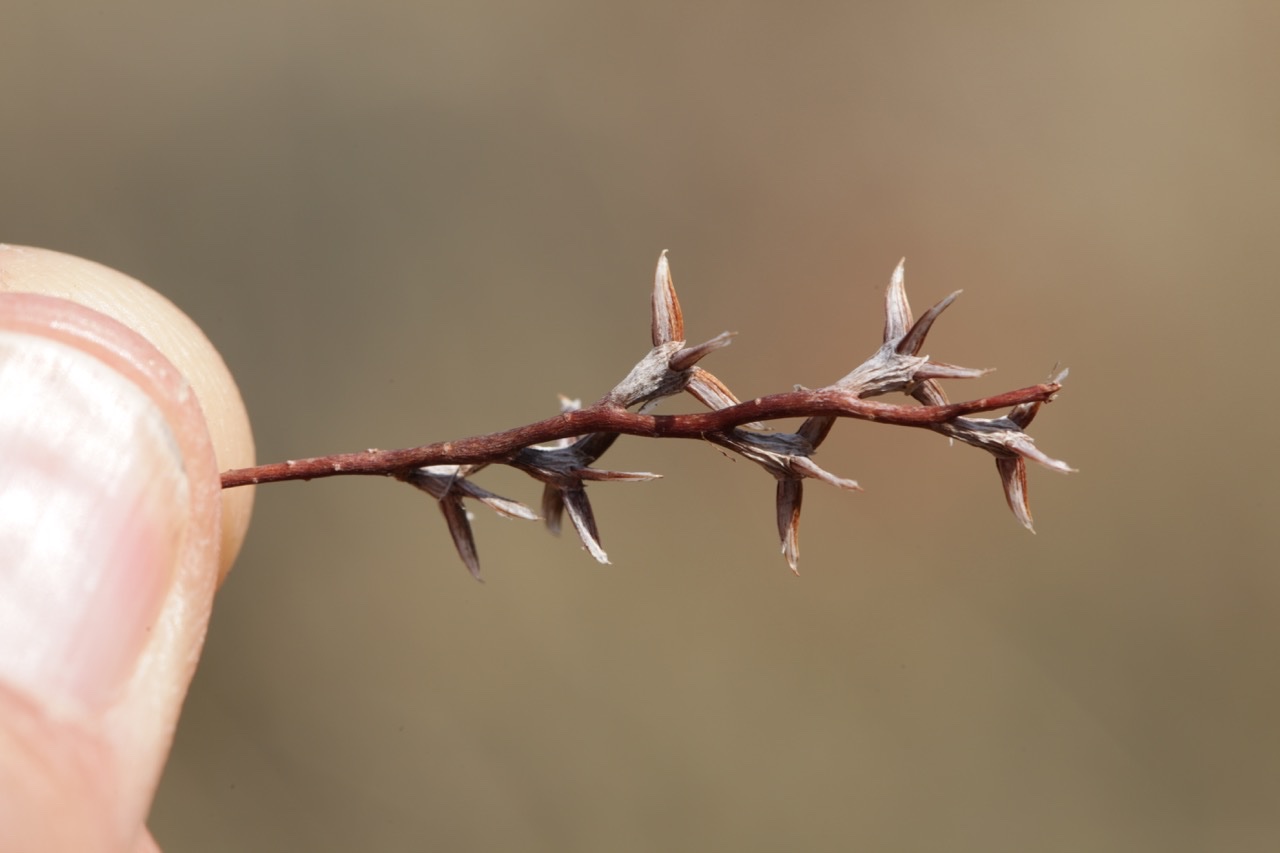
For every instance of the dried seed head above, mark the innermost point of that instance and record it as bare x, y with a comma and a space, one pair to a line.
651, 379
786, 457
1000, 437
669, 367
442, 481
1005, 439
448, 484
897, 365
564, 471
1013, 469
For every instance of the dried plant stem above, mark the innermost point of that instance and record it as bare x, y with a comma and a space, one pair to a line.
499, 447
561, 452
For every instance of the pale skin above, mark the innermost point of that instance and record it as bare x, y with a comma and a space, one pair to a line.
109, 571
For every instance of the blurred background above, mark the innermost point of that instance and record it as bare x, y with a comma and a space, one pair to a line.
407, 222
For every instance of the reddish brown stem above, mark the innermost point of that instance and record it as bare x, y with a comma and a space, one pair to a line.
606, 418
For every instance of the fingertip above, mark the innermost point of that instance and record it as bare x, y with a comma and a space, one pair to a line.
173, 333
70, 304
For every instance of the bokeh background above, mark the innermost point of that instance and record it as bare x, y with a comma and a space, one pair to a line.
403, 222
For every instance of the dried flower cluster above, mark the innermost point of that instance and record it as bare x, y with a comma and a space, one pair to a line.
560, 452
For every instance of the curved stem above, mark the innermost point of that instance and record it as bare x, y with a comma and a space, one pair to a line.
603, 417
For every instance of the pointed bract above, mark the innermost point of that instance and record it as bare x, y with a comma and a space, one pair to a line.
806, 467
666, 318
897, 310
710, 391
790, 497
689, 356
714, 394
460, 529
815, 429
942, 370
552, 508
1023, 414
1013, 476
930, 393
914, 339
584, 522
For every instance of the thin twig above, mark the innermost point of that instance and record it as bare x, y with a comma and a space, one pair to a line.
498, 447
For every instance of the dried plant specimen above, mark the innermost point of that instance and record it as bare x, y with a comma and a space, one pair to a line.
561, 452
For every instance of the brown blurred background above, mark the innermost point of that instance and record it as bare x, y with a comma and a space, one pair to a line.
404, 222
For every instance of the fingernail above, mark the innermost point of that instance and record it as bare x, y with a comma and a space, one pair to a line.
93, 508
